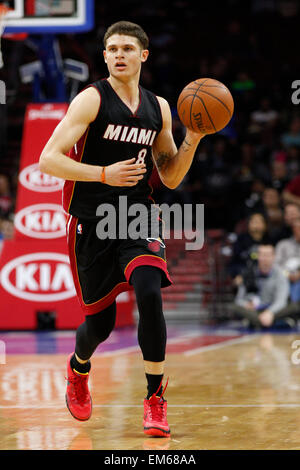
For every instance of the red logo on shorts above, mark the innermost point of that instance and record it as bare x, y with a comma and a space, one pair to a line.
155, 244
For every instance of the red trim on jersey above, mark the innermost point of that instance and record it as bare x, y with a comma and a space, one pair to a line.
136, 111
69, 186
162, 121
71, 237
146, 260
150, 195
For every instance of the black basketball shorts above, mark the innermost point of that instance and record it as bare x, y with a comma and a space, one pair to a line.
102, 268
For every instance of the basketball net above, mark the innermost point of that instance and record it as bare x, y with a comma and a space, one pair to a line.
3, 12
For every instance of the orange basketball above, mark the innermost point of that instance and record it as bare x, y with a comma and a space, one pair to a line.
205, 106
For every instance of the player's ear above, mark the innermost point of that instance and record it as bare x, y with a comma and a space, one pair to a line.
144, 55
104, 55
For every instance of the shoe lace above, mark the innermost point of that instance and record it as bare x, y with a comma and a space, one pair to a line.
80, 387
156, 404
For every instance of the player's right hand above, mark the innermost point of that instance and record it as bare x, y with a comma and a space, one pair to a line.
124, 173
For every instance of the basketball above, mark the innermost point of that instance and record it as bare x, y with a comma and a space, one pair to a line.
205, 106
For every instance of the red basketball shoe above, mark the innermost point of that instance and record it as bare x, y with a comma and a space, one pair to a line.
78, 397
155, 415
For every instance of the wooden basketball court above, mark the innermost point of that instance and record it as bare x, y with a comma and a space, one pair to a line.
228, 389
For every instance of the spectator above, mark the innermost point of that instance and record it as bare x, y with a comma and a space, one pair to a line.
253, 203
244, 171
279, 175
6, 200
291, 213
263, 117
288, 259
245, 247
243, 82
292, 137
291, 192
264, 291
6, 231
271, 199
293, 161
273, 213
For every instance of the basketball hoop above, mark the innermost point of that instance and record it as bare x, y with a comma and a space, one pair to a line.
4, 9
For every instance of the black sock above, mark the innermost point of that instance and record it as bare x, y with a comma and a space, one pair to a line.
153, 384
81, 368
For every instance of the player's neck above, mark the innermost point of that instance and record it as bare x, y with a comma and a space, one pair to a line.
128, 91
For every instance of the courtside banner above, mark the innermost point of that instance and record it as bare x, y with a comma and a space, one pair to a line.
35, 276
39, 213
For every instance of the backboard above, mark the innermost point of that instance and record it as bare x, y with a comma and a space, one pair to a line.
49, 16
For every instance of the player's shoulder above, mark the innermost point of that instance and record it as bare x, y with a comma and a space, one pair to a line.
86, 104
163, 102
165, 110
89, 93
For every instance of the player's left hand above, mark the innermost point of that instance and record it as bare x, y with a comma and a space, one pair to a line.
193, 137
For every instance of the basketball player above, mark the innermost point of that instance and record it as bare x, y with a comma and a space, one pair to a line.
113, 132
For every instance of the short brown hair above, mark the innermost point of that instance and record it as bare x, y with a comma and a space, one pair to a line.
129, 29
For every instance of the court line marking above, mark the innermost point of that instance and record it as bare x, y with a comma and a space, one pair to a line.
59, 406
222, 344
136, 348
171, 341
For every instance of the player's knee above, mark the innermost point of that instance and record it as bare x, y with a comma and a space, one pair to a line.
100, 327
149, 298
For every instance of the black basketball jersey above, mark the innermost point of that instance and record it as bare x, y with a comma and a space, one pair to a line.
115, 135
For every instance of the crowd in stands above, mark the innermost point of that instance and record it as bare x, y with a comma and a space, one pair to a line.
265, 270
248, 175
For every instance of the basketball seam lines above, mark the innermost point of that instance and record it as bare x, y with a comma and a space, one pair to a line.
205, 86
191, 108
187, 96
218, 99
207, 112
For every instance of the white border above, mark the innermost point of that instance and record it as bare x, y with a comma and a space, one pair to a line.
18, 12
16, 19
38, 189
9, 287
39, 207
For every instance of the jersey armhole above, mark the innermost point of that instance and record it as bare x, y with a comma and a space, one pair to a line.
159, 107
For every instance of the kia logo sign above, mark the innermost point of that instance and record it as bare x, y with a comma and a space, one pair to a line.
46, 221
34, 180
39, 277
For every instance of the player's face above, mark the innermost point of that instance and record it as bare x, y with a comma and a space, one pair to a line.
124, 56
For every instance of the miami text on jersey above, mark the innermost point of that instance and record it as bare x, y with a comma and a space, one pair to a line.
129, 134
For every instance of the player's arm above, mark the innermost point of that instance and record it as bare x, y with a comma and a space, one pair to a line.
55, 161
172, 164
